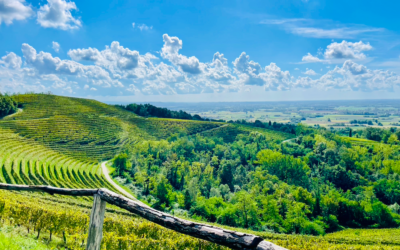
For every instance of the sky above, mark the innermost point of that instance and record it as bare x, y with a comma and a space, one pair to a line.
201, 51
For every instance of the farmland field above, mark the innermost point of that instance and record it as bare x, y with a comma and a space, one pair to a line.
336, 114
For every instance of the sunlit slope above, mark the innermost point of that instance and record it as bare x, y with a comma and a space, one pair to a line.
80, 128
89, 129
26, 162
60, 141
229, 132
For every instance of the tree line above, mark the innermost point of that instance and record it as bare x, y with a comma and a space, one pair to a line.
148, 110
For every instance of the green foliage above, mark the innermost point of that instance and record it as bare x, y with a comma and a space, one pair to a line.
7, 105
314, 184
151, 110
120, 163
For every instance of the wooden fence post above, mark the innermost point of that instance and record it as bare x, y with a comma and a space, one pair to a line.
96, 223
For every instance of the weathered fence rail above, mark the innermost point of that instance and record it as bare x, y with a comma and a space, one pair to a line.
231, 239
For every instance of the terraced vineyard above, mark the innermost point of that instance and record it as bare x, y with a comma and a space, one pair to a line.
27, 162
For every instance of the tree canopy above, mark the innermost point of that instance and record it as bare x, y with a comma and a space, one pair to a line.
7, 105
314, 184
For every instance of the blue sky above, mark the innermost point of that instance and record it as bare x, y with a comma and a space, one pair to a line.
201, 50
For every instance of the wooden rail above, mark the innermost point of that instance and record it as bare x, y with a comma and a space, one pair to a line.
231, 239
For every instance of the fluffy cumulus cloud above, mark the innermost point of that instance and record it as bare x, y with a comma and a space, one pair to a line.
118, 70
11, 10
340, 51
356, 77
347, 50
251, 73
170, 51
248, 71
11, 60
57, 14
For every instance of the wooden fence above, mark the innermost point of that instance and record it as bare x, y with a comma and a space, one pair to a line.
231, 239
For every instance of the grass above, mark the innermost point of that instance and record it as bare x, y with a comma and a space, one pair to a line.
360, 141
14, 239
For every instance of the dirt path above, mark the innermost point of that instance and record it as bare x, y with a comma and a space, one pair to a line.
108, 178
18, 111
213, 128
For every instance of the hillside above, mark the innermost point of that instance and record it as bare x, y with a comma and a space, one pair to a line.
60, 141
235, 175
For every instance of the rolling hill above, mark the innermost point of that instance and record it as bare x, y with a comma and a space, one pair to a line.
61, 141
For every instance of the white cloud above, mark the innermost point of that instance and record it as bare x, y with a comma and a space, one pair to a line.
57, 14
117, 70
347, 50
170, 51
251, 73
142, 26
56, 46
218, 70
248, 71
330, 33
296, 69
89, 54
320, 28
339, 52
310, 72
11, 10
114, 57
310, 58
42, 63
11, 60
356, 77
276, 79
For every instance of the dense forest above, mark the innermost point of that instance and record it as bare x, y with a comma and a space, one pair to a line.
7, 105
314, 184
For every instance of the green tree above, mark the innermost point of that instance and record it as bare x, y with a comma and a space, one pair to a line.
188, 200
7, 105
120, 163
226, 173
393, 139
162, 192
247, 208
